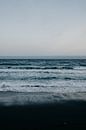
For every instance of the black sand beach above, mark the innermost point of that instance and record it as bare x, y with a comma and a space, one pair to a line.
49, 116
68, 114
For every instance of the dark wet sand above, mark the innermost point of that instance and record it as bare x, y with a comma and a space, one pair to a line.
65, 115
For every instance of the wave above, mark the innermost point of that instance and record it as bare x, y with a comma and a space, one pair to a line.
37, 67
60, 78
37, 78
22, 86
40, 88
82, 64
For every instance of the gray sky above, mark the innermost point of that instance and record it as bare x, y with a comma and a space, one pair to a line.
42, 27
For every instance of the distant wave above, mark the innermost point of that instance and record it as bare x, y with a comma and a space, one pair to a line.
59, 67
38, 68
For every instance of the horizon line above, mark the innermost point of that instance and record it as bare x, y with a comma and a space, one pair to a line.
44, 57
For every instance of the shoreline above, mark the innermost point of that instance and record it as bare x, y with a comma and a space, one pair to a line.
34, 98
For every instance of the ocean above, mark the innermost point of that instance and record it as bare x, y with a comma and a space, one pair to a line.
57, 75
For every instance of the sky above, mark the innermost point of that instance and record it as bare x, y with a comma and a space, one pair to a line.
42, 27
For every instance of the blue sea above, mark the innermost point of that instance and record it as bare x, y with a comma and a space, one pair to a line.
46, 74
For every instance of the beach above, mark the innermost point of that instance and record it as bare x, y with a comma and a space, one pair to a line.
24, 111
